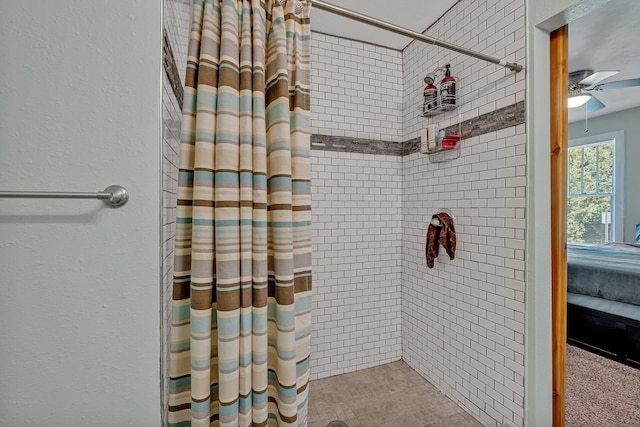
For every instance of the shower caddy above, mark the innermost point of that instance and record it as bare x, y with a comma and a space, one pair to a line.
443, 104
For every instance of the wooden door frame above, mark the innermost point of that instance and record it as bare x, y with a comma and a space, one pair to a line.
559, 145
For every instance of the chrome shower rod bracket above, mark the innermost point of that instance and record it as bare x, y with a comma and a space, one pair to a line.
322, 5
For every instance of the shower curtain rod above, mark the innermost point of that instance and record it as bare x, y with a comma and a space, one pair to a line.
410, 33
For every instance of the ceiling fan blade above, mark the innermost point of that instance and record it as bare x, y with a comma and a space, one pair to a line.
619, 84
594, 105
597, 77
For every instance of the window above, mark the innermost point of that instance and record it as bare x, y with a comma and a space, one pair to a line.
594, 202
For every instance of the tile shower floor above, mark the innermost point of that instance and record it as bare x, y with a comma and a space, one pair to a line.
391, 395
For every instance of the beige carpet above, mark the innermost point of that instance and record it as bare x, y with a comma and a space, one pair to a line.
600, 392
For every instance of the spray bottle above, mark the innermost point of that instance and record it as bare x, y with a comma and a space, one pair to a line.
448, 88
430, 101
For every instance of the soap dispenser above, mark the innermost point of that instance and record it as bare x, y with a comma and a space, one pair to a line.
430, 101
448, 88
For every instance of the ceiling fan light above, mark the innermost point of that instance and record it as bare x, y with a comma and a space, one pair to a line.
578, 100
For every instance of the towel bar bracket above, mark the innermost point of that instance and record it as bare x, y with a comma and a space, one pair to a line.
117, 196
113, 196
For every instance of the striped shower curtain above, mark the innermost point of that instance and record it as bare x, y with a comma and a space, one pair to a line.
241, 309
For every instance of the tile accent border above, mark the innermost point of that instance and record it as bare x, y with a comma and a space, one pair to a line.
355, 145
505, 117
170, 68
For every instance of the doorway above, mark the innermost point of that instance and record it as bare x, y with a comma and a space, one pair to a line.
564, 60
559, 52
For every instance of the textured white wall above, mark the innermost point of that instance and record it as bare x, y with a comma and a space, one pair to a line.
463, 321
79, 300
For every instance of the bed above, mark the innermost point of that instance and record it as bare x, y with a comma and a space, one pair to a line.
603, 297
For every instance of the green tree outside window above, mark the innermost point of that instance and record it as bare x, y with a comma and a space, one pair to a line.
590, 193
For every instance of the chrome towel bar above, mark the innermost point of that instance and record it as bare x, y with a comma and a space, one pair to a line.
113, 196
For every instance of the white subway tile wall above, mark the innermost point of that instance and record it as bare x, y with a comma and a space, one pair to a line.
356, 207
463, 320
356, 89
171, 119
177, 19
177, 22
496, 28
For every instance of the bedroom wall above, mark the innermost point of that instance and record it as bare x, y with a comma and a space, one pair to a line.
626, 121
464, 320
79, 301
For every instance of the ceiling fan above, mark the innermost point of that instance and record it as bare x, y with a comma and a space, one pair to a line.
582, 82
